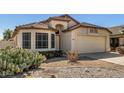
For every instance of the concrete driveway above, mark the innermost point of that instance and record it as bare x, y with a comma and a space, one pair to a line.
108, 57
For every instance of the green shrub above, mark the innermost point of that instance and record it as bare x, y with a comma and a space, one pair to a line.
51, 54
17, 60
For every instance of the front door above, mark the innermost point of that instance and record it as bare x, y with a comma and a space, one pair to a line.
114, 42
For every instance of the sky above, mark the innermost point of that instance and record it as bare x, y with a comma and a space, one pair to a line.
10, 21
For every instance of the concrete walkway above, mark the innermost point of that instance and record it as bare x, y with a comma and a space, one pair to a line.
108, 57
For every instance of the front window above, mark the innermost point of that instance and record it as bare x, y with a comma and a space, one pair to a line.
26, 40
52, 41
93, 30
41, 40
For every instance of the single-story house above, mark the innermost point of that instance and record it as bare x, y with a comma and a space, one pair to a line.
117, 36
62, 33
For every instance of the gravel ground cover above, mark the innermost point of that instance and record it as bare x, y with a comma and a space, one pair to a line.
84, 68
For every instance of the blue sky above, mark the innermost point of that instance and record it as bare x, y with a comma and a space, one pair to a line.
12, 20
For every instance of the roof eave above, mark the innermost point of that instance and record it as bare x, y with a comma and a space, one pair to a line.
71, 18
58, 19
80, 25
20, 28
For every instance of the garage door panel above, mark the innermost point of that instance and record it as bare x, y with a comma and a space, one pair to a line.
90, 44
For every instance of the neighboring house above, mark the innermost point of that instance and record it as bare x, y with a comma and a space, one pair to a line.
117, 36
62, 33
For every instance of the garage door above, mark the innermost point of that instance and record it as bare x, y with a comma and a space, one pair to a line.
90, 44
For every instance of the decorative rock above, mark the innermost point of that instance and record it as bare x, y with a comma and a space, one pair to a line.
77, 72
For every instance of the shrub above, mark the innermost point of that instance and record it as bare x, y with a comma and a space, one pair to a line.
17, 60
72, 56
113, 49
58, 53
51, 54
120, 50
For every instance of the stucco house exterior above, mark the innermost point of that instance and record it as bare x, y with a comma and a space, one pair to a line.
117, 36
62, 33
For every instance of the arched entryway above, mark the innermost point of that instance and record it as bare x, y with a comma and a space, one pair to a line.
59, 27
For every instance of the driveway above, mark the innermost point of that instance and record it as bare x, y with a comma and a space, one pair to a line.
108, 57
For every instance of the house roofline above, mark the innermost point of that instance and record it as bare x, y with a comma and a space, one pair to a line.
54, 18
117, 35
50, 18
80, 25
71, 18
19, 28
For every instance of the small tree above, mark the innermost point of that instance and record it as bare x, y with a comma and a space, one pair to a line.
72, 56
7, 34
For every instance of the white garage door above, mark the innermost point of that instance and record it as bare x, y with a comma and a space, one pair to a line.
90, 44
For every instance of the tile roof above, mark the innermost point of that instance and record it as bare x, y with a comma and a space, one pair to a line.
45, 24
84, 24
59, 18
41, 24
91, 25
117, 30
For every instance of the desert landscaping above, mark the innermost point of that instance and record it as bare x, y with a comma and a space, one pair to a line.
84, 68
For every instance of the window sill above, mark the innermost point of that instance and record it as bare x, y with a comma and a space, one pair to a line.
46, 49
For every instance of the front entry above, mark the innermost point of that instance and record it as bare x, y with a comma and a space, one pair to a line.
114, 42
58, 42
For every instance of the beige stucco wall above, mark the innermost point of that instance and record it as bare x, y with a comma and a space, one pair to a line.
85, 32
53, 23
66, 24
121, 41
65, 38
71, 22
107, 35
57, 42
33, 31
66, 41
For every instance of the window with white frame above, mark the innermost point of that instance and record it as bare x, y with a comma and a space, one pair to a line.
26, 40
41, 40
52, 40
93, 30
